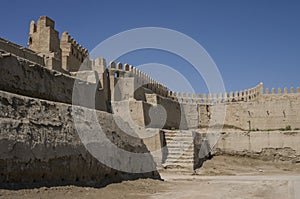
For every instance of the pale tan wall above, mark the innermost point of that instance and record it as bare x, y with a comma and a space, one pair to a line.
267, 145
173, 111
155, 143
179, 116
270, 112
204, 115
73, 54
44, 39
189, 116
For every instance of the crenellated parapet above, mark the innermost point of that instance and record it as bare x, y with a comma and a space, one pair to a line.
73, 54
119, 70
64, 55
215, 98
281, 91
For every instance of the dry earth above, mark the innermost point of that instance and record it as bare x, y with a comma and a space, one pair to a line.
221, 177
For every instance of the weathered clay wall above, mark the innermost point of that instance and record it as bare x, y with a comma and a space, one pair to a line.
269, 112
32, 80
21, 52
266, 145
178, 116
73, 54
39, 144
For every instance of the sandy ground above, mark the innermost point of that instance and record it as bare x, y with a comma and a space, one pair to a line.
221, 177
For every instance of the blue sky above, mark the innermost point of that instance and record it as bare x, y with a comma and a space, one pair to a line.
250, 41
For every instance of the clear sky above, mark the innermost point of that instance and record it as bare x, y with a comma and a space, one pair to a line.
250, 41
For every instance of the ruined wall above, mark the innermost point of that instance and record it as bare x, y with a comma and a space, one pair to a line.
33, 80
21, 52
39, 144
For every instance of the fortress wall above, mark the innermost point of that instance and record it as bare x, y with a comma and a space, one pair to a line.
170, 109
21, 52
39, 144
269, 112
149, 114
136, 113
266, 112
33, 80
272, 145
179, 116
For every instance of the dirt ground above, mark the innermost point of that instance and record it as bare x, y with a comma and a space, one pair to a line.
221, 177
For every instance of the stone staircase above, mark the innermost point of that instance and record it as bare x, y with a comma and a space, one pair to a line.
179, 155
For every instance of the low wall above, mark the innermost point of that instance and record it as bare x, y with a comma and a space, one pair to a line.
265, 145
39, 144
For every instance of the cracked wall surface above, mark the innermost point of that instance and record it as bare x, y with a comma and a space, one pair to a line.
39, 143
265, 145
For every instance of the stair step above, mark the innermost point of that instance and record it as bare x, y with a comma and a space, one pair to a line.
179, 150
179, 158
180, 147
181, 153
184, 156
178, 142
179, 138
179, 161
178, 135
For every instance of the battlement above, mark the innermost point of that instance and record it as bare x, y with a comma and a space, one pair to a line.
282, 91
237, 96
65, 55
73, 54
142, 78
67, 38
45, 21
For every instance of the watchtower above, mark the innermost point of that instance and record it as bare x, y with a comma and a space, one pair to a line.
44, 39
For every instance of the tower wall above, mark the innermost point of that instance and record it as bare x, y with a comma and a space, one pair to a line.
44, 40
